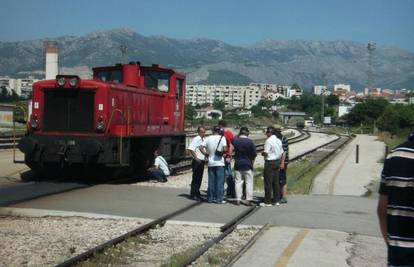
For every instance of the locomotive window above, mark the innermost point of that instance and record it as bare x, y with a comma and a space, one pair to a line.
157, 80
178, 88
114, 76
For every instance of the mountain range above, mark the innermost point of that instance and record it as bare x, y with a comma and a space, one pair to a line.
209, 61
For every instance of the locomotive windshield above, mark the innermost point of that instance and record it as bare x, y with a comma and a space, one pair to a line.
114, 76
157, 80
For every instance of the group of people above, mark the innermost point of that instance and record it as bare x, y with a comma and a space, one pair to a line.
219, 150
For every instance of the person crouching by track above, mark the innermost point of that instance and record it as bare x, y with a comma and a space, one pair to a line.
198, 162
160, 170
283, 167
272, 153
245, 154
228, 173
214, 147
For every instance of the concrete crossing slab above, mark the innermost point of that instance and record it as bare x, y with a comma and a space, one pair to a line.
297, 247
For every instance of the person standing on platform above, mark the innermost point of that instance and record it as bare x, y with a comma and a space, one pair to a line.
244, 156
396, 204
215, 147
272, 153
228, 173
283, 167
198, 162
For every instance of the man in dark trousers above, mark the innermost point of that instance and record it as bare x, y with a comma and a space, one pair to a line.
272, 154
283, 167
396, 204
198, 162
244, 156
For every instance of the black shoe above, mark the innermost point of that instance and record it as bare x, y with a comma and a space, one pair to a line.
283, 200
196, 198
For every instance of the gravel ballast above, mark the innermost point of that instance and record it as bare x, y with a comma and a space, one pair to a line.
47, 241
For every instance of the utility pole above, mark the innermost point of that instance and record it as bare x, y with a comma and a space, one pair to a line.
323, 97
371, 48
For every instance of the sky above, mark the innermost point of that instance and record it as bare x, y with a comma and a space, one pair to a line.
238, 22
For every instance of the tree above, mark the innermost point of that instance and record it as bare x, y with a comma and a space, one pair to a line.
295, 86
4, 95
219, 105
189, 112
367, 112
332, 100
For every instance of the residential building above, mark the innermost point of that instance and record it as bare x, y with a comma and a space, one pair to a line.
233, 96
319, 89
22, 87
341, 86
343, 110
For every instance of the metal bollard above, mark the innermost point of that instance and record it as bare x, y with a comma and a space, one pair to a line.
357, 154
387, 150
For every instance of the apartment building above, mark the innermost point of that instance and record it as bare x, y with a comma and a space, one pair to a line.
342, 87
233, 95
22, 87
319, 89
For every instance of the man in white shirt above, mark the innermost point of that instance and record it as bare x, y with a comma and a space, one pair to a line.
160, 171
215, 147
272, 153
197, 163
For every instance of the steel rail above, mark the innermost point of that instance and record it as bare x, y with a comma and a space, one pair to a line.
142, 229
211, 242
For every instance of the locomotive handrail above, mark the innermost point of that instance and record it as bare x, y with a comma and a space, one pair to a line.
120, 140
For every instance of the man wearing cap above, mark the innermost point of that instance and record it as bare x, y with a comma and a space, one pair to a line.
283, 163
272, 153
244, 156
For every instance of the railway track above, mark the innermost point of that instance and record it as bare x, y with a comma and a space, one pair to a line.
7, 142
225, 230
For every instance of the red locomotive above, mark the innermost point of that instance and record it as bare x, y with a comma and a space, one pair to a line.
115, 120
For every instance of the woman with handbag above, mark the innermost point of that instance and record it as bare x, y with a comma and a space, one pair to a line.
214, 147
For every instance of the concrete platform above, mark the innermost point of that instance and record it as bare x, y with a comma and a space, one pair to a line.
343, 176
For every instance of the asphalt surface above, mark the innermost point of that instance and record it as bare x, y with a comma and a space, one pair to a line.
350, 214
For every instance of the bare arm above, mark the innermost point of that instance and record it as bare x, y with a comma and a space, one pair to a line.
193, 154
282, 161
382, 215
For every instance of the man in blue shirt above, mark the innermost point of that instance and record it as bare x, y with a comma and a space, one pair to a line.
245, 154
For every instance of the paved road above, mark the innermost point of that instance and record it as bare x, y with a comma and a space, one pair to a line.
350, 214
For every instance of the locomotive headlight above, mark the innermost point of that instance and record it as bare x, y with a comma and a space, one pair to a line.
61, 81
73, 82
34, 123
100, 125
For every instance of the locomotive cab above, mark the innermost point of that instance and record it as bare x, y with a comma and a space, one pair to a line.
116, 119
